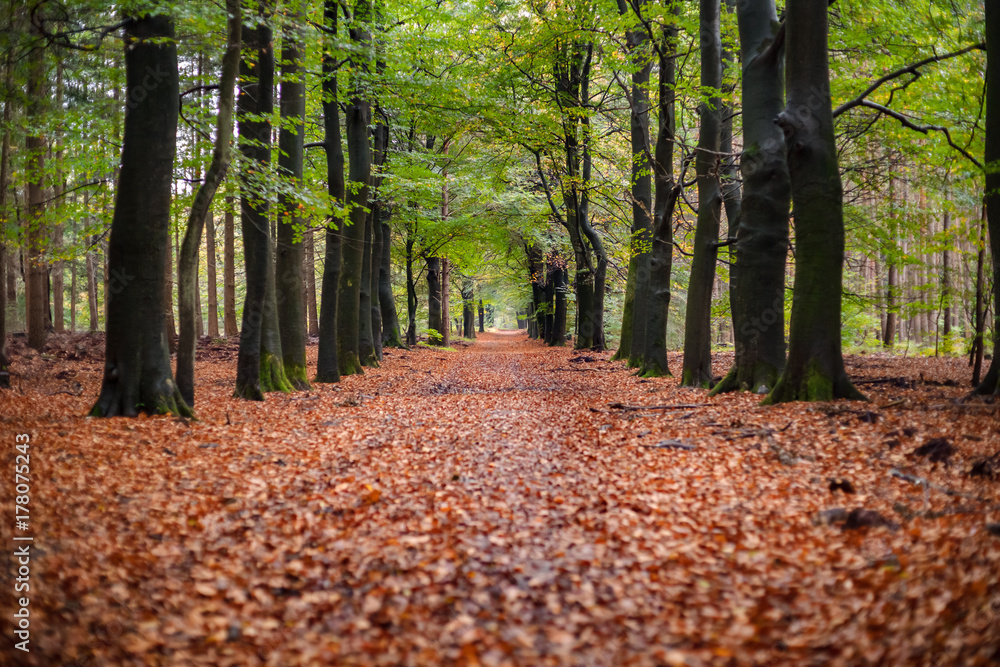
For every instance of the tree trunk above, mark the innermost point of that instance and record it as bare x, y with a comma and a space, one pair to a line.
258, 367
36, 272
137, 373
386, 303
435, 319
411, 287
468, 308
290, 281
4, 261
637, 41
758, 303
210, 259
201, 209
991, 383
169, 327
327, 366
59, 185
482, 317
815, 367
445, 305
92, 308
309, 270
697, 370
358, 114
230, 326
976, 360
366, 330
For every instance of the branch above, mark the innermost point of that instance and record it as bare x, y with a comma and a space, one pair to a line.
923, 129
909, 69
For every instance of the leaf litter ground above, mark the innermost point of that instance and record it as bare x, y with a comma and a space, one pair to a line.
506, 504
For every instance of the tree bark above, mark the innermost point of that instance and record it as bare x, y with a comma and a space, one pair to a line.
137, 373
210, 260
386, 303
92, 308
201, 209
327, 366
697, 370
991, 383
292, 224
4, 261
468, 308
359, 172
230, 326
309, 270
259, 366
36, 272
445, 305
758, 303
435, 316
482, 316
815, 367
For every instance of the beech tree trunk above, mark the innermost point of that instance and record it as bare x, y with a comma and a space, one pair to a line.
213, 293
290, 281
386, 303
815, 367
36, 272
482, 317
137, 373
230, 326
435, 316
309, 270
259, 364
201, 209
4, 260
697, 370
991, 382
758, 303
468, 308
327, 367
359, 172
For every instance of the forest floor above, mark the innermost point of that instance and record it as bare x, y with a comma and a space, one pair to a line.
504, 504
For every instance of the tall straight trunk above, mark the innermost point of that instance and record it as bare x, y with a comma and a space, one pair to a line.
892, 274
92, 311
435, 319
35, 284
258, 367
815, 367
729, 179
758, 303
651, 330
169, 325
327, 367
445, 305
946, 280
4, 261
230, 326
697, 370
557, 285
468, 308
371, 315
386, 303
137, 373
637, 285
411, 287
189, 308
541, 308
991, 383
59, 185
366, 306
309, 270
72, 296
976, 359
210, 260
358, 115
482, 316
290, 280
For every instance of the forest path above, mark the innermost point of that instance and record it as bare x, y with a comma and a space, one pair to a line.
487, 506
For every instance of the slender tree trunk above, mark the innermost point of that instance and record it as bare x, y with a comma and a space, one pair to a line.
815, 367
697, 371
201, 210
36, 272
637, 44
169, 327
435, 318
386, 303
309, 270
327, 366
758, 303
445, 305
411, 288
92, 308
137, 373
210, 260
980, 324
58, 187
482, 317
366, 333
230, 326
258, 357
468, 308
4, 260
72, 295
946, 280
359, 173
292, 318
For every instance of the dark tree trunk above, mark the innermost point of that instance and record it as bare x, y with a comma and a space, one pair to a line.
327, 366
435, 313
230, 327
290, 281
367, 306
92, 308
358, 114
637, 41
468, 308
540, 307
411, 288
758, 303
815, 367
445, 305
210, 261
482, 317
386, 302
649, 329
137, 373
371, 330
201, 209
259, 367
892, 278
36, 272
309, 270
4, 260
991, 383
697, 370
976, 354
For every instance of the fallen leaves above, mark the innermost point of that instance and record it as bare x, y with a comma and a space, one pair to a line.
486, 508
